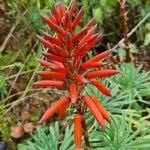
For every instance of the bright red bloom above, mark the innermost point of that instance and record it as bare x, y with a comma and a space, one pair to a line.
48, 83
101, 87
52, 57
64, 59
45, 63
48, 74
78, 131
80, 79
101, 109
55, 108
73, 92
62, 110
101, 73
95, 110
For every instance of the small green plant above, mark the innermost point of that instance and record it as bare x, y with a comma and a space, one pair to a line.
121, 135
50, 139
134, 83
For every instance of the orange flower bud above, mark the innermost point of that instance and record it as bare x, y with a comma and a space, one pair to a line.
80, 34
49, 74
57, 13
90, 43
90, 23
73, 92
72, 8
77, 18
92, 65
48, 21
101, 87
87, 36
60, 31
51, 39
63, 9
101, 108
47, 44
101, 73
50, 83
94, 110
78, 131
45, 63
99, 56
52, 57
62, 110
59, 51
55, 108
80, 78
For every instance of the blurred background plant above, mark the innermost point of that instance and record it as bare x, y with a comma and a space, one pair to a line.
129, 105
46, 139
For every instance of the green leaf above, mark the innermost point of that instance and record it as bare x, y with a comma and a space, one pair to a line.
145, 92
49, 140
147, 39
98, 14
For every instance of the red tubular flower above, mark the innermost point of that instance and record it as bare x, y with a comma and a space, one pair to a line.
101, 87
49, 74
99, 56
101, 108
87, 36
73, 92
94, 109
92, 65
101, 73
72, 8
52, 57
49, 21
51, 39
62, 110
55, 108
45, 63
61, 69
80, 34
47, 44
77, 19
78, 131
81, 79
63, 58
48, 83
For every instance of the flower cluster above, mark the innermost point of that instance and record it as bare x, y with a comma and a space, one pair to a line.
65, 67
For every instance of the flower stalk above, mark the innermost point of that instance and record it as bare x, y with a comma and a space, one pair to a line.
124, 16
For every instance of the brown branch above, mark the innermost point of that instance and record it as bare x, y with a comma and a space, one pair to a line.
10, 33
131, 32
124, 16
